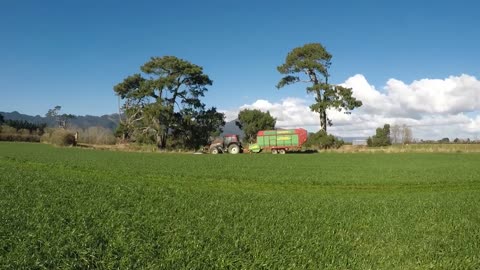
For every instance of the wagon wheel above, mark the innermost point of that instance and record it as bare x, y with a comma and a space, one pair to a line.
214, 151
281, 151
274, 151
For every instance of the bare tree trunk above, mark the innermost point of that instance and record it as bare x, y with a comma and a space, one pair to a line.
323, 120
162, 141
323, 114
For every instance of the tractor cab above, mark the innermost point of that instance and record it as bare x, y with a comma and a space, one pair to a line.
230, 143
230, 138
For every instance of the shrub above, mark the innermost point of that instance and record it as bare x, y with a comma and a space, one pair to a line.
58, 137
15, 137
24, 131
8, 133
96, 135
381, 138
322, 140
7, 129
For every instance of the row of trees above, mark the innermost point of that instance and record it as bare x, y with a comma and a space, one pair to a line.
162, 104
20, 130
447, 140
388, 135
24, 126
402, 134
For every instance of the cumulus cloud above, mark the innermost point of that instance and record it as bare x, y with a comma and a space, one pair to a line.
433, 108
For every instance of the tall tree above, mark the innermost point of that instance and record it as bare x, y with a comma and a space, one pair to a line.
198, 127
312, 61
61, 119
158, 105
381, 137
1, 119
407, 136
252, 121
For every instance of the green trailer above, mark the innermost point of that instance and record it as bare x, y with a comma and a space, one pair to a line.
279, 141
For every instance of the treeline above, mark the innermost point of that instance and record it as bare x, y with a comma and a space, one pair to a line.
24, 131
24, 125
397, 134
448, 141
20, 130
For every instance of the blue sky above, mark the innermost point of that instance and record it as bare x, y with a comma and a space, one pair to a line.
71, 53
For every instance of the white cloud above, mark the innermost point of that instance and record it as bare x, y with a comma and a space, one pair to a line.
452, 95
229, 114
291, 112
434, 108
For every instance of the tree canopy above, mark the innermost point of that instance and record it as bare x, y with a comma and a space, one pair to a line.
252, 121
61, 119
381, 137
167, 103
322, 140
312, 61
24, 125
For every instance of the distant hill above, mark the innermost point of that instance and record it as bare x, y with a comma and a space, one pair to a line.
109, 121
232, 128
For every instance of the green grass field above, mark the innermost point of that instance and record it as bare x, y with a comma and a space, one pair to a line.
78, 209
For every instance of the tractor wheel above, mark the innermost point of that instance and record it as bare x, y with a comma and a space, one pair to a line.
274, 151
234, 149
281, 151
214, 151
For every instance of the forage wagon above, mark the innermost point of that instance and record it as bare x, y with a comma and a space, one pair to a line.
279, 141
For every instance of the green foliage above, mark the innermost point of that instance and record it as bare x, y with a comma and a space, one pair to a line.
444, 140
20, 131
381, 138
197, 128
62, 120
167, 104
19, 138
35, 129
252, 121
322, 140
5, 129
70, 208
312, 56
122, 131
313, 61
59, 137
2, 119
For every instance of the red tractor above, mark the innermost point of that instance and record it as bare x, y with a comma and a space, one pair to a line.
228, 144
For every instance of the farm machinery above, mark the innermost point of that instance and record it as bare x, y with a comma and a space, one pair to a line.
279, 141
275, 141
227, 144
